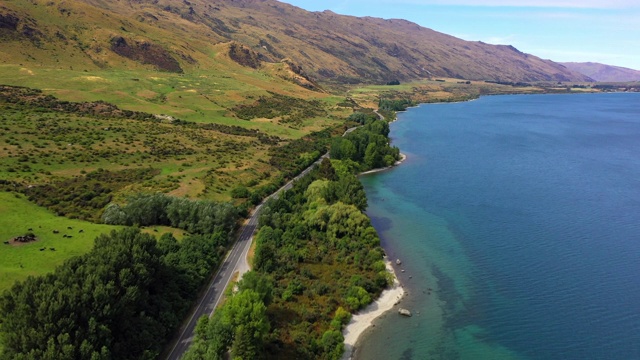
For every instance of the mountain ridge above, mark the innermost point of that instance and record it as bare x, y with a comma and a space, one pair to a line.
604, 72
329, 47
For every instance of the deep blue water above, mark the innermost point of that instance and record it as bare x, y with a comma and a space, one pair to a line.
517, 219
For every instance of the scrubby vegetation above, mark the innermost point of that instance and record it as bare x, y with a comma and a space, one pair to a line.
121, 300
35, 99
324, 259
288, 109
294, 156
84, 197
50, 144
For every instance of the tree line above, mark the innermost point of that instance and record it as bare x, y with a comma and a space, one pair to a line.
194, 216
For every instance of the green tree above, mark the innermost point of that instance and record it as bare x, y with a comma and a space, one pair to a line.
327, 171
258, 282
332, 343
372, 156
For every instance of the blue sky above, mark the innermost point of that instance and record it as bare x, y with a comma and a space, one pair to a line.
605, 31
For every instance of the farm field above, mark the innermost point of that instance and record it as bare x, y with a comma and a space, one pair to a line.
17, 215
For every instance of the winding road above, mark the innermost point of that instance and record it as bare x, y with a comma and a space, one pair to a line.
236, 261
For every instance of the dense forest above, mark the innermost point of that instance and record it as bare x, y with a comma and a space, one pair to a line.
122, 300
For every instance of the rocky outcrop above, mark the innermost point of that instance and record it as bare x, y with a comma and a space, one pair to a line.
9, 21
145, 52
244, 56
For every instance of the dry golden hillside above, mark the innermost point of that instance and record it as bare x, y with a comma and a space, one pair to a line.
179, 36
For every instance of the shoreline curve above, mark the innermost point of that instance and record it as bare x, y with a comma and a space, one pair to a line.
363, 320
403, 157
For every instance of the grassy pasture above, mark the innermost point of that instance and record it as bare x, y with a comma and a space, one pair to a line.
17, 215
199, 96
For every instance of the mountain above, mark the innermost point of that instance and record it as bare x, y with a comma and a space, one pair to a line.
187, 35
602, 72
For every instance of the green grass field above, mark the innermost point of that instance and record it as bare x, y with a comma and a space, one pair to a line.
17, 215
203, 97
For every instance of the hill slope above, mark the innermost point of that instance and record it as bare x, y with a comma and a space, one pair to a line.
179, 36
603, 72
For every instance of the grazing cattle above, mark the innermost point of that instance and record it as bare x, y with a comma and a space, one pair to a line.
81, 231
30, 229
69, 227
6, 242
52, 249
41, 249
64, 236
56, 231
69, 236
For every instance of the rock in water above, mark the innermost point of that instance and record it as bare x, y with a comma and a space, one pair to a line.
404, 312
398, 262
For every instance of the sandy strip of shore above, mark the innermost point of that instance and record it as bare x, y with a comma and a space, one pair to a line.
403, 157
364, 319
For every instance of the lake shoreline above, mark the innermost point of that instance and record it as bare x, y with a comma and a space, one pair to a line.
403, 157
388, 299
363, 320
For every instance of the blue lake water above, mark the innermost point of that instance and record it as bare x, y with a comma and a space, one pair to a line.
517, 219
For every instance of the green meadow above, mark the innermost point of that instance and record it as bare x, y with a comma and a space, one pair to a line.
199, 96
17, 216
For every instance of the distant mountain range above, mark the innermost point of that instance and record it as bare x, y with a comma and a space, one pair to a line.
186, 35
604, 73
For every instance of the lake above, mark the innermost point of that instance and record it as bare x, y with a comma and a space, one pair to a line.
517, 220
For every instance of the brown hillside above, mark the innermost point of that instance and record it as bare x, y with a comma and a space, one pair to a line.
176, 35
602, 72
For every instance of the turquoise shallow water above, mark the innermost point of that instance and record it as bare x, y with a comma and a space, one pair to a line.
517, 219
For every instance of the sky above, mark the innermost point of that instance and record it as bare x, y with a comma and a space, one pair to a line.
604, 31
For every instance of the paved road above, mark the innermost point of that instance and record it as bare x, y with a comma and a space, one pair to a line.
216, 287
236, 261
